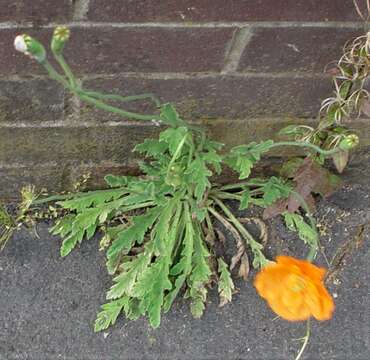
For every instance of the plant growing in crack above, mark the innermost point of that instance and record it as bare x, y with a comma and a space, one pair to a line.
159, 228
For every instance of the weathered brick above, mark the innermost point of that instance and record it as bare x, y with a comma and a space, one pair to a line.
221, 96
96, 144
12, 179
221, 10
294, 49
64, 144
57, 157
30, 101
56, 177
37, 11
112, 50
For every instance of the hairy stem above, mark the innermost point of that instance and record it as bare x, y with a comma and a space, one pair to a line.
305, 145
98, 95
97, 103
67, 70
305, 342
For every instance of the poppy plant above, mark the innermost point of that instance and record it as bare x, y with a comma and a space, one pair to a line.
294, 289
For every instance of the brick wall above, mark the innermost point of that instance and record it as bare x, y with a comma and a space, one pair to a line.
243, 68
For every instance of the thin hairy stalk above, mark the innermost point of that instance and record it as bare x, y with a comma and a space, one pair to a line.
98, 95
103, 106
67, 70
210, 227
97, 103
56, 76
237, 185
226, 196
306, 145
306, 339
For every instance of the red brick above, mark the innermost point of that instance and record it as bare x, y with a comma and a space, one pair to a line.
222, 97
107, 50
37, 11
110, 50
294, 49
221, 10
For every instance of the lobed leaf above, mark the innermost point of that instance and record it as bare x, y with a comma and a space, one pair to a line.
225, 284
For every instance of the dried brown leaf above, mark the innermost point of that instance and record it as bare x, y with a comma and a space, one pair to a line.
340, 160
244, 267
277, 208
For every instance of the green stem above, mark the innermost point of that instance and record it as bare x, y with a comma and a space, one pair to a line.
99, 104
128, 114
177, 151
226, 195
306, 145
67, 70
101, 96
56, 76
242, 184
305, 342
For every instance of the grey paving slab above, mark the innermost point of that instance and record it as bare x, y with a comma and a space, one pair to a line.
48, 304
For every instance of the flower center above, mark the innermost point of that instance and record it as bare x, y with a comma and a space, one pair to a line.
296, 283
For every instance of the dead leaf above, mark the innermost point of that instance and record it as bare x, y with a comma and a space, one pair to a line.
310, 178
277, 208
340, 160
262, 227
244, 267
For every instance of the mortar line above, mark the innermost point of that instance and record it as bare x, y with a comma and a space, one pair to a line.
207, 75
126, 123
80, 9
174, 76
215, 24
75, 124
239, 42
48, 164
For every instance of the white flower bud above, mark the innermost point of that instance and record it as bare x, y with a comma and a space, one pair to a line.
31, 47
20, 44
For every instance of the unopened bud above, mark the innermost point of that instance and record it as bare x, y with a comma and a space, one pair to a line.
349, 142
60, 37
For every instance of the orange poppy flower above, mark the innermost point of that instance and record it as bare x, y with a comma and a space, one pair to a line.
294, 289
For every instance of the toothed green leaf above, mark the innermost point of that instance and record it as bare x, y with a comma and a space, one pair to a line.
109, 313
134, 233
295, 222
225, 284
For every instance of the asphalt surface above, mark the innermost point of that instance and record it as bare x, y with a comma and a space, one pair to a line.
48, 304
